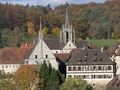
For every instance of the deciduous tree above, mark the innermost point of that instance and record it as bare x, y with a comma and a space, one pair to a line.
75, 84
27, 76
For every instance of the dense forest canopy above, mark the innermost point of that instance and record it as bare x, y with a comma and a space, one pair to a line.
19, 24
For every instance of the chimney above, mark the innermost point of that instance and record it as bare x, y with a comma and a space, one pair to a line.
102, 49
26, 44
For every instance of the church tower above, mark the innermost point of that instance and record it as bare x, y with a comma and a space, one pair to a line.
67, 33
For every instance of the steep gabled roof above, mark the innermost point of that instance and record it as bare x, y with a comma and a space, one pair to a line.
14, 55
89, 56
54, 43
63, 56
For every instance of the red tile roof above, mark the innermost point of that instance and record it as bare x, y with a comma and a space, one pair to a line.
63, 56
14, 55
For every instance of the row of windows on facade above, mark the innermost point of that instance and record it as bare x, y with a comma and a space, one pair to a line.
91, 76
9, 66
82, 68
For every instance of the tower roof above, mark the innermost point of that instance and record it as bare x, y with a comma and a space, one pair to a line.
67, 22
40, 31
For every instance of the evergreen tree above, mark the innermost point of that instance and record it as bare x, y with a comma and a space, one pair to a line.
44, 73
52, 78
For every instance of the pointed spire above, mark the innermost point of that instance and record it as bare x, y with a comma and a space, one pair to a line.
67, 22
40, 24
40, 31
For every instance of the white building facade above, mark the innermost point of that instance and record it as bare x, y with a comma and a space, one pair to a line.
93, 66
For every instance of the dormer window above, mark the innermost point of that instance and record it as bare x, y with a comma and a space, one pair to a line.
80, 60
84, 59
94, 58
35, 56
100, 59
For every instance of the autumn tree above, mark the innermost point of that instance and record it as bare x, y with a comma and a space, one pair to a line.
56, 32
7, 85
26, 77
75, 84
45, 31
31, 28
81, 27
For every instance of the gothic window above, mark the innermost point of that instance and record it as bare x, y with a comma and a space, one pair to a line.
35, 56
67, 36
46, 56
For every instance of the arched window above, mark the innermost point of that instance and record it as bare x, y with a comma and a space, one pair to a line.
46, 56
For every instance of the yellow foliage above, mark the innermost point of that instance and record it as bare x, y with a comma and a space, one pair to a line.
26, 76
56, 32
45, 30
30, 28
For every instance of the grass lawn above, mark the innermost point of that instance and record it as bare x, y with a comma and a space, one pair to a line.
103, 42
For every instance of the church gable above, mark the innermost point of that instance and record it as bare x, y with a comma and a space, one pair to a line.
41, 50
69, 46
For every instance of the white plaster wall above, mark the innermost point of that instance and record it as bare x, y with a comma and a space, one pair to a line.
69, 46
56, 51
117, 60
96, 81
9, 68
90, 80
41, 52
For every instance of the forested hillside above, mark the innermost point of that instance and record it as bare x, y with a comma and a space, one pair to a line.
20, 24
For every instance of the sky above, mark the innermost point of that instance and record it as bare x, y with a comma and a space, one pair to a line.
53, 3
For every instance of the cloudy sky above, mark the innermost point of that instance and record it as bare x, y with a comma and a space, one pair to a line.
53, 3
